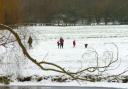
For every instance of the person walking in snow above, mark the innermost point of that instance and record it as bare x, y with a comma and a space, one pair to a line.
61, 42
30, 40
74, 43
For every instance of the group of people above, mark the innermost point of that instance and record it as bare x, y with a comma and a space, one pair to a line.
60, 43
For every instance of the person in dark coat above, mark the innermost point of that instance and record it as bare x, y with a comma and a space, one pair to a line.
30, 42
58, 44
74, 43
61, 42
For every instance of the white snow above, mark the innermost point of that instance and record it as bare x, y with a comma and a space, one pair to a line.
99, 38
73, 83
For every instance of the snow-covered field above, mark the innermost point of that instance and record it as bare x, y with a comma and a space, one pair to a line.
99, 38
102, 39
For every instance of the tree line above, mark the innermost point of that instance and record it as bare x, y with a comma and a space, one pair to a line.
68, 11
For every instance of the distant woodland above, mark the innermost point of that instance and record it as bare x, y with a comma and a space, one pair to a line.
63, 11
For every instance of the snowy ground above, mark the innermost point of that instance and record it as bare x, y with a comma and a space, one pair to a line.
74, 83
99, 38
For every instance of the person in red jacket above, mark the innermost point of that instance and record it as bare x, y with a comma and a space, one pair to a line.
74, 43
61, 42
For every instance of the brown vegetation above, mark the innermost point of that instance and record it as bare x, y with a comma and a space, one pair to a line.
10, 11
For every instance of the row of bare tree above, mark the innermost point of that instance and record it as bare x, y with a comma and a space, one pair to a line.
70, 11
